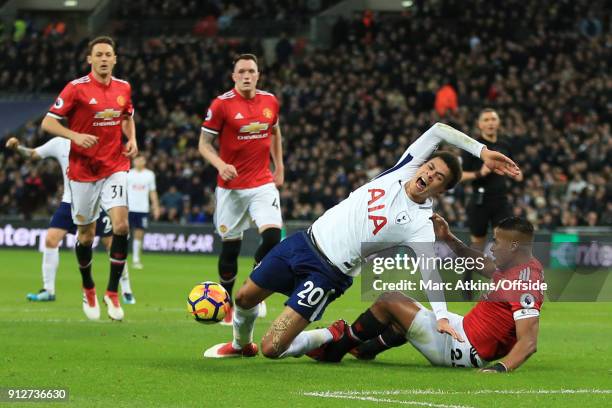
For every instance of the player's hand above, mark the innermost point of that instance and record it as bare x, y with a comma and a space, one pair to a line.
131, 149
445, 327
279, 176
227, 172
441, 228
484, 170
499, 163
85, 140
12, 143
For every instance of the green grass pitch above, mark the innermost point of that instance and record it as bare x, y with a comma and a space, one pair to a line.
154, 358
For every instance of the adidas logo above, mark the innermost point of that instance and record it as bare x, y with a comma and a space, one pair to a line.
238, 116
93, 101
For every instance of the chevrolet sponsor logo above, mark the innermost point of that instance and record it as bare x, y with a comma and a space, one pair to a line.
107, 114
254, 127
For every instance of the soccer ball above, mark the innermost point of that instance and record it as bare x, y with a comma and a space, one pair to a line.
208, 302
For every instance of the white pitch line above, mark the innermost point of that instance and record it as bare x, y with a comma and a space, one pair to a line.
475, 392
386, 400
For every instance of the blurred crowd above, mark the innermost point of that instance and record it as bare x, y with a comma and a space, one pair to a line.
349, 114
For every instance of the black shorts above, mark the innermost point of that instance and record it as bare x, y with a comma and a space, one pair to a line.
490, 211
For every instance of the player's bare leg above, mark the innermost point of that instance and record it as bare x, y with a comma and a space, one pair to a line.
277, 341
287, 338
246, 309
118, 256
137, 247
270, 236
50, 262
84, 254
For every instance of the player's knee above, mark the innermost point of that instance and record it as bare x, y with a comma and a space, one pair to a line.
269, 350
121, 227
51, 241
244, 300
86, 238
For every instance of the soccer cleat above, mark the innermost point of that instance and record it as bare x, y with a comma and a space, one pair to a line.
263, 310
113, 307
90, 304
137, 265
338, 330
41, 296
361, 354
128, 299
228, 319
227, 350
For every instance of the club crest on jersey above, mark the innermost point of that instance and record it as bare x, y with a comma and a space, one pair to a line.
223, 228
107, 114
378, 221
402, 218
59, 102
267, 112
254, 127
121, 100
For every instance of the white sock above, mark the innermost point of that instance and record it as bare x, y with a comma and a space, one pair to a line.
136, 245
307, 341
126, 286
50, 262
244, 323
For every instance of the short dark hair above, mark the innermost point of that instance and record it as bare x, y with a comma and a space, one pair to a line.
251, 57
454, 165
104, 39
486, 110
517, 224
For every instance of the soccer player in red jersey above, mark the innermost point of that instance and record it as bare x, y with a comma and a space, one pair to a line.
98, 109
503, 325
246, 122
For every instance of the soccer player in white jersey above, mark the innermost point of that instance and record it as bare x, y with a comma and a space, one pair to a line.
61, 223
315, 267
141, 191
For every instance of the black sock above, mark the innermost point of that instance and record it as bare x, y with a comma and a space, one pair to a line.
84, 255
363, 329
269, 239
228, 264
118, 255
388, 339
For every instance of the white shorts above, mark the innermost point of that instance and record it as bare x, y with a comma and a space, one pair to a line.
238, 210
440, 348
88, 197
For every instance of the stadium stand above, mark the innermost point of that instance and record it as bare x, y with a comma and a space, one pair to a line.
349, 114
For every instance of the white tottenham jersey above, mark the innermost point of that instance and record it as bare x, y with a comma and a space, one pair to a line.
58, 148
381, 213
139, 185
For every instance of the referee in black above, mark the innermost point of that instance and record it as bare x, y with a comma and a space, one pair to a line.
489, 202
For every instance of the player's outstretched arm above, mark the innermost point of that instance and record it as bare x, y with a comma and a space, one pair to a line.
53, 126
226, 171
526, 345
444, 234
25, 152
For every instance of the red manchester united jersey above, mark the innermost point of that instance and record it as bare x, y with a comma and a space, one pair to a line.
97, 109
490, 324
244, 128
